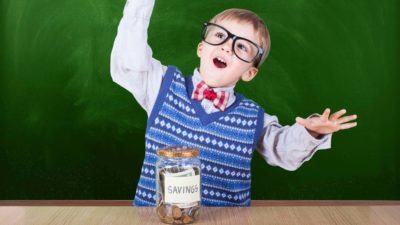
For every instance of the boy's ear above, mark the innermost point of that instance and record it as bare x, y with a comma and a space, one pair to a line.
199, 49
249, 74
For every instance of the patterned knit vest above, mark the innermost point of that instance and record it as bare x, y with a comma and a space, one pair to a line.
225, 139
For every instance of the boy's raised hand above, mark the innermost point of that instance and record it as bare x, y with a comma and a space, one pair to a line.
326, 124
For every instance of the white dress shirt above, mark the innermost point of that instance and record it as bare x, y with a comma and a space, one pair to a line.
134, 68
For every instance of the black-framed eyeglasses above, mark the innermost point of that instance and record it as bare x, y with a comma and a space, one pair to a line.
243, 48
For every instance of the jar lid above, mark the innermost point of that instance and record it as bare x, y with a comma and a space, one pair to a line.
178, 152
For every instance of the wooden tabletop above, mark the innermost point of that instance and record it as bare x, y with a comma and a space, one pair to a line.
277, 212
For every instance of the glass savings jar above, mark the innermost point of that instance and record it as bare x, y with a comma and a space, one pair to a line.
178, 185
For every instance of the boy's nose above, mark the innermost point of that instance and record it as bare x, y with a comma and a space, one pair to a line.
227, 46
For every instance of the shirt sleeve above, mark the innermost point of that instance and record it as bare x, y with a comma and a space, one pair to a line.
288, 146
131, 64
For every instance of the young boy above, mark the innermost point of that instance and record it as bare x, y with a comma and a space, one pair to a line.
203, 111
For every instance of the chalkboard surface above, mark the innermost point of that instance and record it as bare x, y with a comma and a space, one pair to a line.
68, 132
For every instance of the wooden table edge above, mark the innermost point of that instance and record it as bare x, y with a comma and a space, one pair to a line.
254, 203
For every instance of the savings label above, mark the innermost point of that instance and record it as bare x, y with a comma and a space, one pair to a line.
182, 189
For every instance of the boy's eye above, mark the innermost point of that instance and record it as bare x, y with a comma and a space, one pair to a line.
220, 35
242, 47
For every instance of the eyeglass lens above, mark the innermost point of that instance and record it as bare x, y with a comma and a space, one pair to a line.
243, 49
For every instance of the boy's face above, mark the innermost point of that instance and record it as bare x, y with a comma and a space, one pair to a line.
227, 73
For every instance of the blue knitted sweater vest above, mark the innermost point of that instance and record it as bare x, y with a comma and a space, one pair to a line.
225, 139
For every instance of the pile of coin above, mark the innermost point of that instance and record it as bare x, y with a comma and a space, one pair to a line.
172, 214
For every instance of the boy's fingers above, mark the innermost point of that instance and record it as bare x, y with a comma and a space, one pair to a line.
348, 125
346, 119
301, 121
325, 115
337, 114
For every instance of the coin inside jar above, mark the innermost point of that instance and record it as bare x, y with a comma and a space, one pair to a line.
178, 185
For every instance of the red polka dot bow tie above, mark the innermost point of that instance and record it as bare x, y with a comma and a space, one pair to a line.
219, 99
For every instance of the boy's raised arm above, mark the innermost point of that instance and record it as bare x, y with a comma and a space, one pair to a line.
288, 146
132, 65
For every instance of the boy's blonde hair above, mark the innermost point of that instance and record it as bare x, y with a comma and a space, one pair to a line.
258, 25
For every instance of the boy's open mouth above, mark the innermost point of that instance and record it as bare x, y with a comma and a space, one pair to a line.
219, 62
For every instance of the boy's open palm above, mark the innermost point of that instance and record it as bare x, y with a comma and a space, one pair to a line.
326, 124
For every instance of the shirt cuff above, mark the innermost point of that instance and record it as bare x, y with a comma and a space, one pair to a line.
320, 143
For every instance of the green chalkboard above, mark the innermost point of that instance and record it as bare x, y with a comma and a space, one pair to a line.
68, 132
